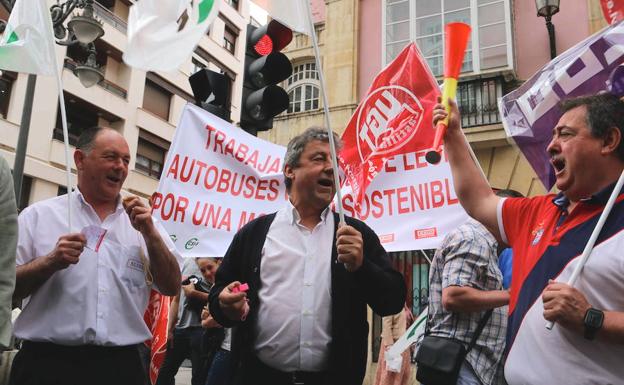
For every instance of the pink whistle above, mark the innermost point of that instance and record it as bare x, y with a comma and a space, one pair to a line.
242, 287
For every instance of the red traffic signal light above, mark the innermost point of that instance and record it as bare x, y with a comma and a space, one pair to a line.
265, 67
271, 37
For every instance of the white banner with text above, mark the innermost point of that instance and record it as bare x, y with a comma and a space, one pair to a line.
217, 177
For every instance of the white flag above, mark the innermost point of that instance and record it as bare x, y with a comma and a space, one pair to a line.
291, 13
157, 41
28, 41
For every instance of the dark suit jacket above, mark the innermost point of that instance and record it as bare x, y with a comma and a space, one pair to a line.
375, 283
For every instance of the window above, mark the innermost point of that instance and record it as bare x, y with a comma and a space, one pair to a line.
156, 99
6, 86
303, 88
197, 65
151, 151
61, 190
233, 3
423, 21
81, 115
229, 39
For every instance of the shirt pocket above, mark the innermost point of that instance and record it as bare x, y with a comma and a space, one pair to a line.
132, 267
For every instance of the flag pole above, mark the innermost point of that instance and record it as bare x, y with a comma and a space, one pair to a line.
66, 141
59, 84
332, 144
594, 236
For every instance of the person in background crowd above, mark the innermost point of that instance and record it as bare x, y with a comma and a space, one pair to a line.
8, 244
505, 263
217, 342
548, 234
464, 282
392, 328
86, 288
184, 327
303, 319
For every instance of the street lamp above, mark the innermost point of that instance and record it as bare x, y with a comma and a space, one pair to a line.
89, 72
81, 29
546, 9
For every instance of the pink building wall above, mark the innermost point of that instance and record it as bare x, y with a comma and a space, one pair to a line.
369, 38
318, 10
531, 46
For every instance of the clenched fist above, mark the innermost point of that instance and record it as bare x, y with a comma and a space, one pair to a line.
140, 215
67, 250
349, 245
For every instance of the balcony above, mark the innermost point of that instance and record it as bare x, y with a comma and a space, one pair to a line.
107, 85
478, 101
110, 18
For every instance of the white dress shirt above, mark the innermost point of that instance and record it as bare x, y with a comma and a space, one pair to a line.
101, 299
293, 329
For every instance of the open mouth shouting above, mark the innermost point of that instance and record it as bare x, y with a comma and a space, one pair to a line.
326, 182
558, 164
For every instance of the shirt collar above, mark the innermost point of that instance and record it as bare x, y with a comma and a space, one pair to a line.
599, 198
78, 195
294, 217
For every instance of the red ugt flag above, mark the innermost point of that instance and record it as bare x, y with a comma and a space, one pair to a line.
613, 10
394, 118
156, 317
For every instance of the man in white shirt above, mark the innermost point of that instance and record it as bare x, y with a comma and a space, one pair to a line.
84, 300
303, 319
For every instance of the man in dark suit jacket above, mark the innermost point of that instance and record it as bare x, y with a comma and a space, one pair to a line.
303, 319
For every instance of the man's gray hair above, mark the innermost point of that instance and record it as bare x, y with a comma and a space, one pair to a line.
297, 145
87, 138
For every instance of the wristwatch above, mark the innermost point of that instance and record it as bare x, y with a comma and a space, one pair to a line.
593, 322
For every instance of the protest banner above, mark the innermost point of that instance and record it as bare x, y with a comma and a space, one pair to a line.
217, 177
411, 204
530, 112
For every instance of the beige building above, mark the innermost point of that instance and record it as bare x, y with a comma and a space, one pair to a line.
336, 25
145, 107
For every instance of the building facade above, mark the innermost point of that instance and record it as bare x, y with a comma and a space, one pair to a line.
144, 107
336, 26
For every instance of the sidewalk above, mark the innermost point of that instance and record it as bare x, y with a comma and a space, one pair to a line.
183, 377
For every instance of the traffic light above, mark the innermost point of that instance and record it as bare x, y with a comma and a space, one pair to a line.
212, 92
265, 67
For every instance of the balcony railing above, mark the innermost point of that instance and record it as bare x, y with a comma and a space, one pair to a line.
107, 85
478, 101
110, 18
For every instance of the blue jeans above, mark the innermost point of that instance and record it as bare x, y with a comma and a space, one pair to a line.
467, 376
219, 373
186, 344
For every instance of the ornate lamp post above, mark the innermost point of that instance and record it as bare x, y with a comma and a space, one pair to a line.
546, 9
82, 29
